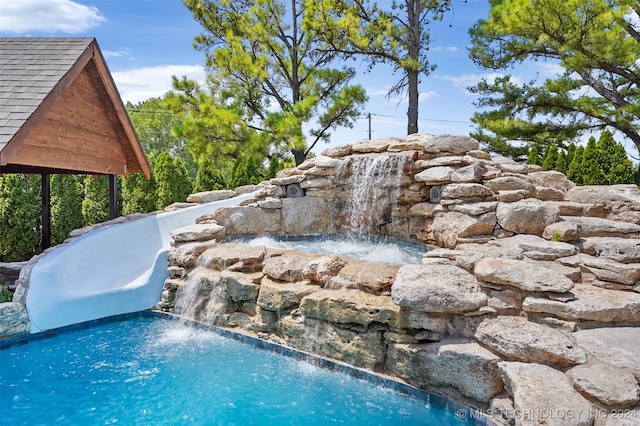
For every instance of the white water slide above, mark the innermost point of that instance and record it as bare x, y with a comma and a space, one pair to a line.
112, 270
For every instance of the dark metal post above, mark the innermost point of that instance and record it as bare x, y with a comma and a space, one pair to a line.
369, 117
113, 196
45, 193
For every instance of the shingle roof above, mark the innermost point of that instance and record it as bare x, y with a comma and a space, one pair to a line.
29, 69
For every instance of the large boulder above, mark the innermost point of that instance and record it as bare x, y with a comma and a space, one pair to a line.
551, 179
449, 227
280, 297
521, 274
209, 196
598, 227
223, 256
306, 216
544, 396
249, 220
590, 304
466, 190
367, 275
289, 266
437, 288
608, 270
435, 175
445, 143
352, 306
511, 183
517, 339
624, 250
361, 349
538, 248
612, 386
462, 364
619, 346
614, 197
14, 319
198, 232
528, 216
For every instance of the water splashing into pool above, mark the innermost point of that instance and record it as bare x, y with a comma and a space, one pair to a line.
373, 186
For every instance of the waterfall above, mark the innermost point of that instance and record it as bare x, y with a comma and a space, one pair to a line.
371, 187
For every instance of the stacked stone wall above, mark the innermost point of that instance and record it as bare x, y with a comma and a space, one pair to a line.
529, 300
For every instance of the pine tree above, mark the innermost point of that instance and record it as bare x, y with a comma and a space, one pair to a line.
66, 207
138, 194
534, 156
253, 174
592, 173
20, 217
208, 179
613, 159
95, 206
550, 157
571, 149
274, 167
172, 182
561, 163
574, 172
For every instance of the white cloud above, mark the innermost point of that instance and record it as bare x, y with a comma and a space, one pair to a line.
140, 84
444, 48
549, 70
468, 80
49, 16
118, 53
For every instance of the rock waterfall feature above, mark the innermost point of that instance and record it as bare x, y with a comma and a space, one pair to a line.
527, 303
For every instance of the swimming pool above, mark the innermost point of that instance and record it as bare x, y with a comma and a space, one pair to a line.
153, 371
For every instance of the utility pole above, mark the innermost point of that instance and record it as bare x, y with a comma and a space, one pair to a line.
369, 117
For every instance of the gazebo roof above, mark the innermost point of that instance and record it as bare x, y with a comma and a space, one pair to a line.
60, 111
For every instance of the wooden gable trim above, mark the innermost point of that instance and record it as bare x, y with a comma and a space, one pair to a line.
122, 114
92, 62
49, 101
79, 132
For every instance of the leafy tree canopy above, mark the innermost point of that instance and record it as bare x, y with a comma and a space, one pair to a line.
154, 122
269, 69
596, 42
396, 35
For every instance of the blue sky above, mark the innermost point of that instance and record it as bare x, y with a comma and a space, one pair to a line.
145, 42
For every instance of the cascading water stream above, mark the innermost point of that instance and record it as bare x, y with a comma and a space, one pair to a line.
372, 186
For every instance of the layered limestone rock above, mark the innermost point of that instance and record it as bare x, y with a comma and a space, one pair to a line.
13, 319
527, 301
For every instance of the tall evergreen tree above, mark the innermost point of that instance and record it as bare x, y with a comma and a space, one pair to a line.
613, 159
561, 163
95, 206
574, 173
20, 217
596, 42
274, 167
571, 149
592, 173
272, 65
171, 179
550, 157
138, 194
534, 156
66, 206
207, 178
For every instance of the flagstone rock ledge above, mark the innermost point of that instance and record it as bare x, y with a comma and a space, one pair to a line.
528, 305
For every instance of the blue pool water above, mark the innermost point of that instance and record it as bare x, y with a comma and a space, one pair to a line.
153, 371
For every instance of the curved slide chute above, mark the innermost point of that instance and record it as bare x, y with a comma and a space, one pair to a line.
112, 270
